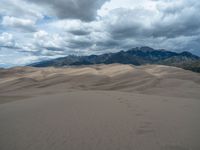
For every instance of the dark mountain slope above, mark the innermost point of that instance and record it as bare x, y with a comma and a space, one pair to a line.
135, 56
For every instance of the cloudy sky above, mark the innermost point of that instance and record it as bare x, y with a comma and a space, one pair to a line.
34, 30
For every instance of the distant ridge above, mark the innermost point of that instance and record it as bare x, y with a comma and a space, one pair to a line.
135, 56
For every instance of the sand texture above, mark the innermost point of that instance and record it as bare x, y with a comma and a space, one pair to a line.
99, 107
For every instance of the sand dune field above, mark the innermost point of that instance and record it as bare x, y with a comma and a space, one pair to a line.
99, 107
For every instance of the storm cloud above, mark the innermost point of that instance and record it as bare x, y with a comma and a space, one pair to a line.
85, 10
48, 29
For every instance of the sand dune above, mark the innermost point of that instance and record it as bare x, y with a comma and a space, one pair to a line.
99, 107
154, 79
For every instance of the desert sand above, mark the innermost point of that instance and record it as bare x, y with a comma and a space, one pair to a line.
100, 107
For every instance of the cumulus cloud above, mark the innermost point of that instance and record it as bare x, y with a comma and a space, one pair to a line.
9, 58
6, 40
169, 25
83, 27
125, 23
20, 8
85, 10
178, 18
75, 27
44, 40
19, 23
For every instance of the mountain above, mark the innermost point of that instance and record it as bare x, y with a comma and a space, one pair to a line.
136, 56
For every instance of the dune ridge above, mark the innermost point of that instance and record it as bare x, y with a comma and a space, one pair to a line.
147, 79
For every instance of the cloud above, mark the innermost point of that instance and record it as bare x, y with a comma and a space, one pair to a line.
177, 18
44, 40
9, 57
137, 24
19, 23
20, 8
6, 40
85, 10
170, 21
75, 27
48, 29
171, 25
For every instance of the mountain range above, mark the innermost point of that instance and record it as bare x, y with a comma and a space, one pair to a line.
135, 56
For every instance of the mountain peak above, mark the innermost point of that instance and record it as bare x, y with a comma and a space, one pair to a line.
135, 56
188, 54
146, 48
143, 48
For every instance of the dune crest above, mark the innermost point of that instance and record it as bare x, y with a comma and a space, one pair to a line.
149, 79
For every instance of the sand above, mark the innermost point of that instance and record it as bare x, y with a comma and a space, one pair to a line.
102, 107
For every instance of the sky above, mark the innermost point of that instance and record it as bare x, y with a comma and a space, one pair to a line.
36, 30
